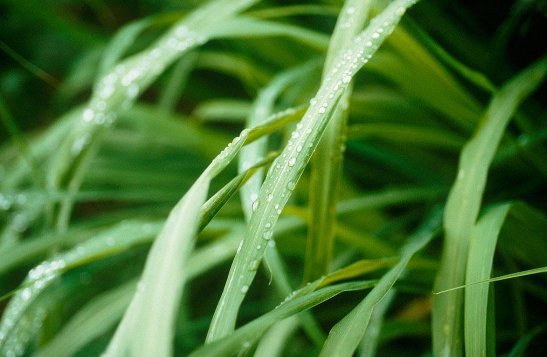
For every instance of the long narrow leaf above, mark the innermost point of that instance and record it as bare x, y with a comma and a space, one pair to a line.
464, 203
287, 169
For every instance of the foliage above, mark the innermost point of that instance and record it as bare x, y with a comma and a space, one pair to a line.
253, 177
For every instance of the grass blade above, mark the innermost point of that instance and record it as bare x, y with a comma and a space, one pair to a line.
244, 337
479, 267
464, 203
346, 335
326, 166
287, 169
122, 85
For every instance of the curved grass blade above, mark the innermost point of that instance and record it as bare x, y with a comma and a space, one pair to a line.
147, 326
101, 314
121, 86
294, 10
223, 110
93, 319
287, 169
346, 335
245, 27
326, 165
244, 337
261, 110
262, 107
15, 318
464, 202
473, 76
171, 249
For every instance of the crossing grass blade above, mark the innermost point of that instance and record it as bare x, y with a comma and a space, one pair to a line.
326, 165
345, 336
101, 314
244, 337
464, 203
119, 89
286, 170
148, 96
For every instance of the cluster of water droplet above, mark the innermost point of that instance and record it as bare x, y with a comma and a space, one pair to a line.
11, 200
118, 89
282, 177
228, 153
15, 316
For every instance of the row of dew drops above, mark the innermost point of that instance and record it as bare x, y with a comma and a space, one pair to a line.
337, 80
118, 89
16, 320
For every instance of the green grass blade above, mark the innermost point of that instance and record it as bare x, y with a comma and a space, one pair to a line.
122, 85
346, 335
262, 107
274, 341
19, 310
246, 27
479, 266
101, 314
244, 337
473, 76
144, 329
519, 274
370, 341
464, 203
287, 169
326, 166
95, 318
223, 110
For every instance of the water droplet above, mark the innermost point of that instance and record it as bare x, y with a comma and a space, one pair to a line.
133, 91
291, 185
258, 247
88, 115
26, 294
255, 205
268, 235
270, 197
5, 203
244, 289
292, 161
